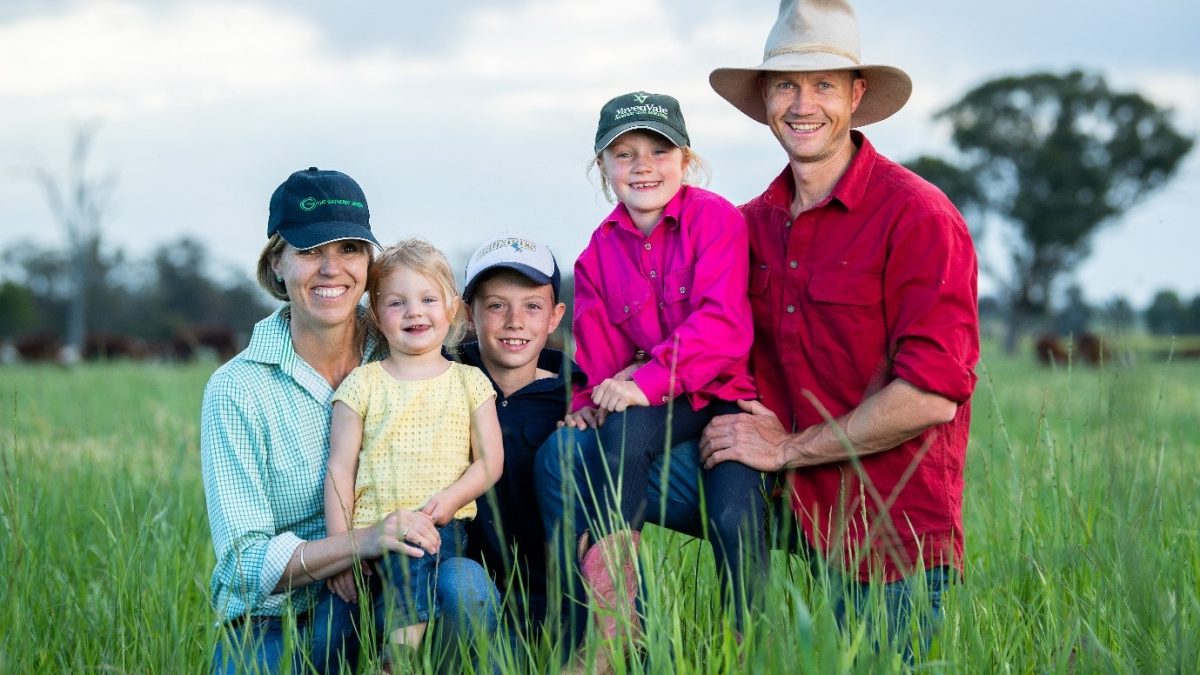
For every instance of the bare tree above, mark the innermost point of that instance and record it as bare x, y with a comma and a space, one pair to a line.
78, 201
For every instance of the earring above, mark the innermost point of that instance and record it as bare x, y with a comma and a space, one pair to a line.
278, 278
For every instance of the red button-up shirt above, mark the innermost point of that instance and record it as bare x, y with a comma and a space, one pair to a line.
875, 283
677, 295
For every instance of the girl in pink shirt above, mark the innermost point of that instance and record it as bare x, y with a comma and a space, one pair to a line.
663, 329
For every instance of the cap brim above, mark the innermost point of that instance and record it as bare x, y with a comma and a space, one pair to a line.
657, 127
526, 271
313, 235
888, 88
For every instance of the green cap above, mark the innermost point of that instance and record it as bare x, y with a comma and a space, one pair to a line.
655, 112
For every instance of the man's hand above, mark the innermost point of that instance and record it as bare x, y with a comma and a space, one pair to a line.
755, 438
586, 417
615, 395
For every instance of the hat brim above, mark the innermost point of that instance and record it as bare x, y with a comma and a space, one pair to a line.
657, 127
526, 271
312, 235
888, 88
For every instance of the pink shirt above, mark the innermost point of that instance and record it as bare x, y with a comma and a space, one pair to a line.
679, 295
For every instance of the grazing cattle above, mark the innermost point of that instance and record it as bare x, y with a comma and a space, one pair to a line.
1050, 351
1086, 349
35, 347
103, 345
190, 341
1090, 349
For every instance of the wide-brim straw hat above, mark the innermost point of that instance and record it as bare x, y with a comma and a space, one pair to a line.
808, 36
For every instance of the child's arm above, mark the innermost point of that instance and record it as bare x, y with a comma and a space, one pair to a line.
487, 463
345, 440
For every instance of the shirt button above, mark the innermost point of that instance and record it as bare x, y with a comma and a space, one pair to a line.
653, 274
626, 309
791, 309
503, 404
683, 289
661, 305
665, 399
788, 224
794, 264
647, 246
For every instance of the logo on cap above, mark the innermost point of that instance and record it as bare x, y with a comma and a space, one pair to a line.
641, 98
310, 203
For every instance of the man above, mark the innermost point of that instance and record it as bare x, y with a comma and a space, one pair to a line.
511, 291
863, 290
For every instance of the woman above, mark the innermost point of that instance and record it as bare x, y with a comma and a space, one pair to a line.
264, 444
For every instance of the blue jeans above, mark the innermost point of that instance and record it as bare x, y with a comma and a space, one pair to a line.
572, 480
255, 645
409, 594
914, 599
464, 598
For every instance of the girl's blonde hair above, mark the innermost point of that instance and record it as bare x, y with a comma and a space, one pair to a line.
425, 259
697, 170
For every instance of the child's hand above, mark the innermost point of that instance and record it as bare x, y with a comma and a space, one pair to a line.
342, 584
586, 417
439, 509
617, 395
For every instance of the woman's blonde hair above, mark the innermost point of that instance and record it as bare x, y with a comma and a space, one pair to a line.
266, 273
697, 172
425, 259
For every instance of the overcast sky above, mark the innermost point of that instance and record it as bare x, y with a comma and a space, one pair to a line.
462, 119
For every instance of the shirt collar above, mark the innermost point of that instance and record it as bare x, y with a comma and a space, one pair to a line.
849, 189
620, 216
271, 341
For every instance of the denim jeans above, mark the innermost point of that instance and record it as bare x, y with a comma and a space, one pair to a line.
575, 482
464, 598
255, 645
916, 599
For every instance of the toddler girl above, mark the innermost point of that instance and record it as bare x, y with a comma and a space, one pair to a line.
413, 431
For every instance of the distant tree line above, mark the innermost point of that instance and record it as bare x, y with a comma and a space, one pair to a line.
156, 298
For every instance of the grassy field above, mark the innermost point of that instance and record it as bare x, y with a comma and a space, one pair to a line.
1083, 549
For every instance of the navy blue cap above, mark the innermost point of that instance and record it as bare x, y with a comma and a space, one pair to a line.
314, 207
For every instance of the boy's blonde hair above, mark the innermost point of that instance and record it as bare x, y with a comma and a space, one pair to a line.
697, 169
425, 259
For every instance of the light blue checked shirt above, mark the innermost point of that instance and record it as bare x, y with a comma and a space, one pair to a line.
264, 445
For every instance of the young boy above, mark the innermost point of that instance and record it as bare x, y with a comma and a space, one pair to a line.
512, 295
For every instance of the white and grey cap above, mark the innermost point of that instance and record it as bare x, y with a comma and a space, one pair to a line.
521, 254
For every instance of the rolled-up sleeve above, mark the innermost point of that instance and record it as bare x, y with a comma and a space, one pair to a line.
251, 555
930, 286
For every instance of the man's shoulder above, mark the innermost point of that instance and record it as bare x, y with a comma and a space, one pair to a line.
895, 181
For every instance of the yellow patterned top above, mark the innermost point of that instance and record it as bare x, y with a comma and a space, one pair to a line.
416, 436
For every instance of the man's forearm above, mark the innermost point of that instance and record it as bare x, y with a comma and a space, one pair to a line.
894, 414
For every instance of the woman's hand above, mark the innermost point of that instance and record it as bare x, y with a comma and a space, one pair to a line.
409, 532
616, 395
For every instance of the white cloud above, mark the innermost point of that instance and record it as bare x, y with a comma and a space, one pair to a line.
117, 57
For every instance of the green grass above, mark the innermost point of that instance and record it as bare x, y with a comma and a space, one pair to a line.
1083, 549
